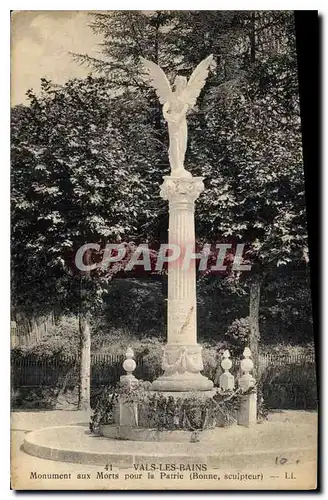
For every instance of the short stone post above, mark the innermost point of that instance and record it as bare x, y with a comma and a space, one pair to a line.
127, 413
247, 411
227, 380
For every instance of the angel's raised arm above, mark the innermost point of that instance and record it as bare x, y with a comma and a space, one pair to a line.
157, 79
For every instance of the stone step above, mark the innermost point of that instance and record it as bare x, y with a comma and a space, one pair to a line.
228, 447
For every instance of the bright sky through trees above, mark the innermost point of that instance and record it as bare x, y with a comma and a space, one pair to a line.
41, 42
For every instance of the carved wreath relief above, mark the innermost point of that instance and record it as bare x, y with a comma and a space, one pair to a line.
182, 359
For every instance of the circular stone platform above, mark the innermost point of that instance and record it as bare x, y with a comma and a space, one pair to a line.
236, 446
113, 431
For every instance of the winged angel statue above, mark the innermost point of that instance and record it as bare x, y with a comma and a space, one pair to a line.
176, 105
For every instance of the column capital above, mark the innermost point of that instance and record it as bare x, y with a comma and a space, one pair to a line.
181, 189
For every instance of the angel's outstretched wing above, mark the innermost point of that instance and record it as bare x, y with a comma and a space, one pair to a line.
197, 81
158, 80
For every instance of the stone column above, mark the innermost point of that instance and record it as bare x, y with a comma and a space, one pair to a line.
182, 358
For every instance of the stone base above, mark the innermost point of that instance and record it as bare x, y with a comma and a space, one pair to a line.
235, 447
182, 365
182, 382
143, 417
201, 395
127, 433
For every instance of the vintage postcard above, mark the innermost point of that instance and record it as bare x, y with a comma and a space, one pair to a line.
161, 321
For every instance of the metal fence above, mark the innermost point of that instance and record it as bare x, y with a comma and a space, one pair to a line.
30, 371
287, 381
275, 359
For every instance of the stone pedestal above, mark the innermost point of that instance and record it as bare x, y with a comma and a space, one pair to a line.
247, 413
127, 414
182, 358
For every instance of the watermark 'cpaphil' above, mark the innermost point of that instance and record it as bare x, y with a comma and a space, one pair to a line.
210, 258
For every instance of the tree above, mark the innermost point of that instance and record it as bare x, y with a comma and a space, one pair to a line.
253, 133
75, 154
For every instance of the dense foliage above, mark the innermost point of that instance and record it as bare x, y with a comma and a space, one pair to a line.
166, 413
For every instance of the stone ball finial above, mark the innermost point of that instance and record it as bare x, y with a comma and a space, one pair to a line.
226, 363
246, 381
129, 364
247, 364
227, 380
247, 352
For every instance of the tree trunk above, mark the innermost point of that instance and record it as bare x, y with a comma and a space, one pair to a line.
85, 341
85, 362
254, 307
253, 38
158, 112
